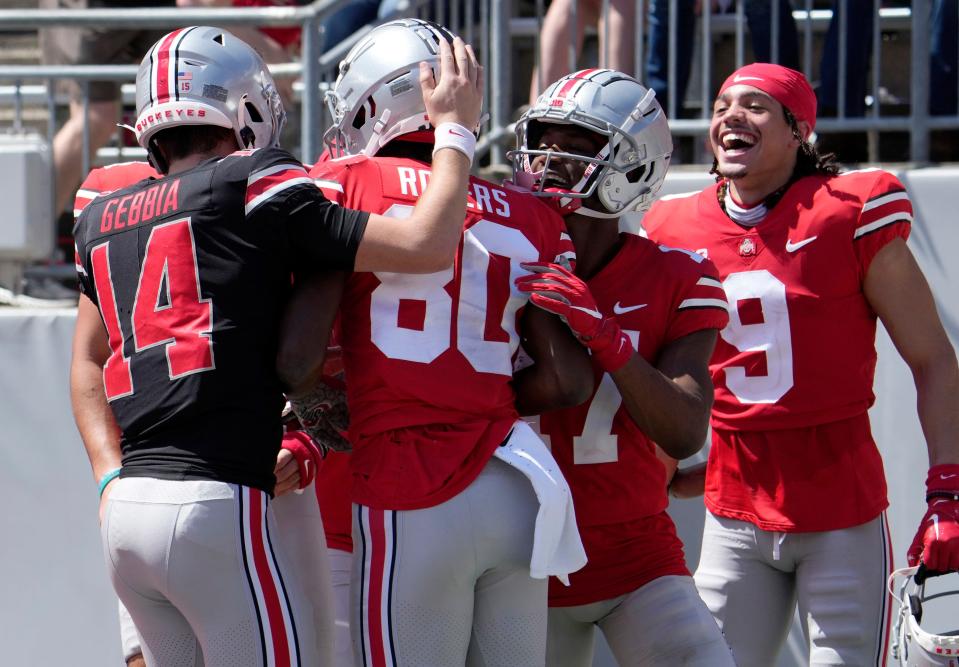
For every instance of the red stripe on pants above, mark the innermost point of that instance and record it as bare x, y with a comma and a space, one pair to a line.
375, 603
281, 649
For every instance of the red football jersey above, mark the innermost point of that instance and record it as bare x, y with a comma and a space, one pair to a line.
657, 295
333, 494
104, 180
429, 357
799, 350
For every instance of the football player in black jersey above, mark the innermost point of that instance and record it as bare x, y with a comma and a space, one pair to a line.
183, 279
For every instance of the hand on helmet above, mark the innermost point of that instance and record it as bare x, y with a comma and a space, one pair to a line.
937, 541
455, 94
557, 290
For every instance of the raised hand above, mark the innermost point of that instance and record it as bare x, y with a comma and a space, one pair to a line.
455, 93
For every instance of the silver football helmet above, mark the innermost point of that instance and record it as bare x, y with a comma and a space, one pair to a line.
912, 646
628, 171
206, 76
377, 95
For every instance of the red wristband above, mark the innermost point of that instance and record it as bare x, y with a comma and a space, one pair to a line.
306, 453
942, 479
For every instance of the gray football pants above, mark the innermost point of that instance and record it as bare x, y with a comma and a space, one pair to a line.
661, 624
209, 577
450, 585
752, 579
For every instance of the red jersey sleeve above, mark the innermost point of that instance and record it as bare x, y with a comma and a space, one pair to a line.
104, 180
702, 301
89, 190
329, 178
886, 215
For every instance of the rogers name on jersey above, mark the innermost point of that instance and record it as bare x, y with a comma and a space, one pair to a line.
414, 181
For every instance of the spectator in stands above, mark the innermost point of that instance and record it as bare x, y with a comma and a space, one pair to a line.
275, 45
758, 16
859, 18
943, 58
615, 38
89, 46
944, 144
346, 20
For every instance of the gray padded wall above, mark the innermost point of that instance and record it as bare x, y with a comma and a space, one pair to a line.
56, 601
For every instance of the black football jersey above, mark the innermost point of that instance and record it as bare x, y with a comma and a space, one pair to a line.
190, 273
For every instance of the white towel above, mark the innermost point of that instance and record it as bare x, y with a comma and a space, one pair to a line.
557, 547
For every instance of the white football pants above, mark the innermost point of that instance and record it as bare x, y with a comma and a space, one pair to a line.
752, 579
661, 624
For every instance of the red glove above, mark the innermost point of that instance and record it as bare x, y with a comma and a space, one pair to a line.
937, 541
557, 290
306, 453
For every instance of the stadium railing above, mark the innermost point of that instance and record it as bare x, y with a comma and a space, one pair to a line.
496, 30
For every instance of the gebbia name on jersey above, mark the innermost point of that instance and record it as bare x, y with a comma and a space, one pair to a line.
140, 207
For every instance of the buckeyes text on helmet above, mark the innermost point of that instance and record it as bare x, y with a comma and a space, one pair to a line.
206, 76
377, 96
629, 169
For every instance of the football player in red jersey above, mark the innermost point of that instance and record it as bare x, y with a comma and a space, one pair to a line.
183, 281
599, 141
452, 544
794, 483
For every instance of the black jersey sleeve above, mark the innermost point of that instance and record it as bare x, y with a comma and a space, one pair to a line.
80, 256
280, 193
324, 235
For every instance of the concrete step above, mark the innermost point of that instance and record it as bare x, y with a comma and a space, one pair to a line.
20, 48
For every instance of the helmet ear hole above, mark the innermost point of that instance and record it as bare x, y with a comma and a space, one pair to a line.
253, 113
636, 174
360, 119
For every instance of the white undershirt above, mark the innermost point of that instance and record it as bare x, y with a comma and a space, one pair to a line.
747, 217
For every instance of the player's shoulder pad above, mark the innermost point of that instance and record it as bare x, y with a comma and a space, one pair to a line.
867, 183
682, 260
334, 174
338, 165
110, 178
241, 165
665, 208
678, 195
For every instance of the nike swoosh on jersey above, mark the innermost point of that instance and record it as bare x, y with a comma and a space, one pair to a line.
619, 310
793, 247
945, 476
739, 78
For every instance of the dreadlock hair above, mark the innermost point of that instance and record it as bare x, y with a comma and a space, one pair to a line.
808, 160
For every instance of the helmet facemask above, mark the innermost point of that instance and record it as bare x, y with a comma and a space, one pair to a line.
626, 172
912, 645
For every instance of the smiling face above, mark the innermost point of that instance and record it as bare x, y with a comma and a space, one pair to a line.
564, 173
754, 145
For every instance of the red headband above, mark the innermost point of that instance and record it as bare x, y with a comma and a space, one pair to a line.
787, 86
